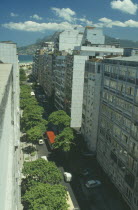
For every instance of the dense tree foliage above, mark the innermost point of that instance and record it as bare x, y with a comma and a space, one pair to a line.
35, 133
45, 197
24, 102
42, 171
59, 119
64, 140
32, 116
22, 75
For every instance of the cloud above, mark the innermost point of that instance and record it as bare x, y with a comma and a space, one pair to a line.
126, 6
39, 27
13, 14
37, 17
105, 22
84, 20
65, 13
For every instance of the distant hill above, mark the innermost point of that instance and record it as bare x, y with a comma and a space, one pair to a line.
30, 49
122, 42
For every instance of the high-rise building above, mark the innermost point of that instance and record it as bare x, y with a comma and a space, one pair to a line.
92, 36
68, 39
10, 179
117, 147
91, 102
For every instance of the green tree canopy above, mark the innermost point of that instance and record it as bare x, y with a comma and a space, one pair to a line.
59, 119
24, 102
42, 171
22, 75
35, 133
45, 197
64, 140
25, 91
32, 116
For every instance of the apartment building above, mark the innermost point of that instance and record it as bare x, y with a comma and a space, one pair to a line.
91, 102
68, 39
130, 51
92, 35
117, 147
63, 82
10, 179
99, 50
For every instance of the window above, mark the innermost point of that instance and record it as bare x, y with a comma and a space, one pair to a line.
98, 71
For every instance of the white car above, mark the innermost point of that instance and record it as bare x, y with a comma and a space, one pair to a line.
44, 157
92, 183
41, 141
67, 176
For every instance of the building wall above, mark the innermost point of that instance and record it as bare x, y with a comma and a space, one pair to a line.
91, 103
11, 131
93, 36
68, 39
100, 50
117, 148
77, 90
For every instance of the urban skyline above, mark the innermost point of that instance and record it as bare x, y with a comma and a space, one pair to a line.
23, 24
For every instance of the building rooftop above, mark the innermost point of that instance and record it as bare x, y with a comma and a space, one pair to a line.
5, 70
121, 58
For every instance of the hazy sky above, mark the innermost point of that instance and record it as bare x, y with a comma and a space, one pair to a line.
25, 21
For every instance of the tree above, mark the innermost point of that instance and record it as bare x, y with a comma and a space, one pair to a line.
22, 75
24, 102
64, 140
59, 119
35, 133
42, 171
25, 91
32, 116
45, 197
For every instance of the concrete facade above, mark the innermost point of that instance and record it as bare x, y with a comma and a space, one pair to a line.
92, 36
117, 147
68, 39
91, 102
99, 50
77, 91
63, 71
9, 128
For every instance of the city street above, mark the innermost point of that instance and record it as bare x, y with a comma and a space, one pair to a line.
101, 198
105, 197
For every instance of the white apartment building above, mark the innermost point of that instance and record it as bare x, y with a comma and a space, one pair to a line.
100, 50
9, 128
77, 90
68, 39
92, 35
91, 102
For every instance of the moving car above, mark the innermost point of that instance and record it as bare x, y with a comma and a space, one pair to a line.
92, 183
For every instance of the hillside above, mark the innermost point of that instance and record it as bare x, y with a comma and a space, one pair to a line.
30, 49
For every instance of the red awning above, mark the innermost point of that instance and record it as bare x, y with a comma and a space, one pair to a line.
51, 136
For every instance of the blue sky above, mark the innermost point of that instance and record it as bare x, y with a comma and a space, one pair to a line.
26, 21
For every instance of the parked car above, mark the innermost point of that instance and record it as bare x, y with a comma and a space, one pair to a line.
92, 183
86, 172
89, 154
67, 176
44, 157
41, 141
